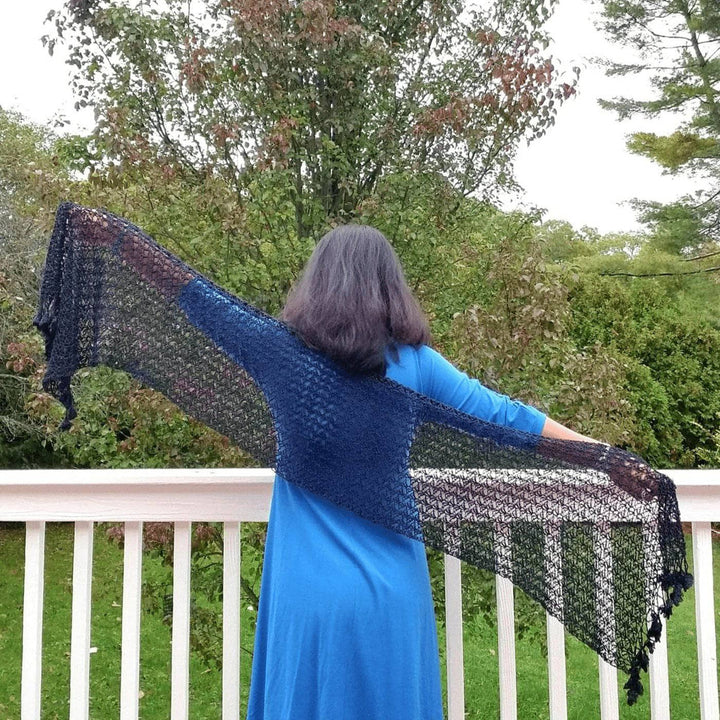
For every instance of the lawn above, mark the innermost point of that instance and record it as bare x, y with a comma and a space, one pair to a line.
481, 684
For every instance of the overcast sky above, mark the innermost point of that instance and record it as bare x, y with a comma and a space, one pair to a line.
580, 171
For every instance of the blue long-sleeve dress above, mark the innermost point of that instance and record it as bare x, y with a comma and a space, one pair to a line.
346, 626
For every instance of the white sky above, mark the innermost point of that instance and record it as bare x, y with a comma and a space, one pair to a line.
580, 171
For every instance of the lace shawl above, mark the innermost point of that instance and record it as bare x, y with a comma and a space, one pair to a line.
590, 532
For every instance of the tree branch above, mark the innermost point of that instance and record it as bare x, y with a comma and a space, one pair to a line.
662, 274
702, 257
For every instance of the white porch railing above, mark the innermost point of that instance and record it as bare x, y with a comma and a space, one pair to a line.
234, 496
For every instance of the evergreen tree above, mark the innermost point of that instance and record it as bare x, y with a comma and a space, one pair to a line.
678, 42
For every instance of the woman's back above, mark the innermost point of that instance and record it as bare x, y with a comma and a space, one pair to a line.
346, 626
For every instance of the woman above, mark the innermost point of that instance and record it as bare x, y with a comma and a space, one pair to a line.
346, 628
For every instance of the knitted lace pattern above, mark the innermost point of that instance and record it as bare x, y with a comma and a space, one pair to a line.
590, 532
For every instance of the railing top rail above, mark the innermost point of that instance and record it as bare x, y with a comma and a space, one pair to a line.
46, 476
221, 494
133, 476
139, 495
684, 478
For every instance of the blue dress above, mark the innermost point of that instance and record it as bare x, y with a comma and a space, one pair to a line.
346, 625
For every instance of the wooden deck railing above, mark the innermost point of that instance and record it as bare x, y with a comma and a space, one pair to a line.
234, 496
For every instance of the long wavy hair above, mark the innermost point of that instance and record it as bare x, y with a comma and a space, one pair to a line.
352, 301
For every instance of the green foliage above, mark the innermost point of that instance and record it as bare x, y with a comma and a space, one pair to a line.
122, 424
711, 457
678, 42
672, 377
125, 425
673, 151
30, 183
551, 317
686, 227
517, 340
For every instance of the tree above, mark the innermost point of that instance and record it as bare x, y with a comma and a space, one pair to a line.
679, 46
310, 106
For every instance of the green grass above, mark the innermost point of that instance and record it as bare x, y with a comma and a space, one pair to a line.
481, 677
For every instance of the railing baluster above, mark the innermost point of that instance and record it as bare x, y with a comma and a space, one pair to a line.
179, 701
659, 681
705, 620
556, 669
506, 648
557, 682
231, 621
130, 648
609, 708
32, 620
81, 609
658, 670
454, 639
506, 623
605, 590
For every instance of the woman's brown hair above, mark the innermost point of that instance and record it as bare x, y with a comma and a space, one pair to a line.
352, 300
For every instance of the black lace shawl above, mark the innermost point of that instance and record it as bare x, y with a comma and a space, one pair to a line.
590, 532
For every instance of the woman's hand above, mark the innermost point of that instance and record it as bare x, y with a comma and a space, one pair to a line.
626, 471
553, 429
